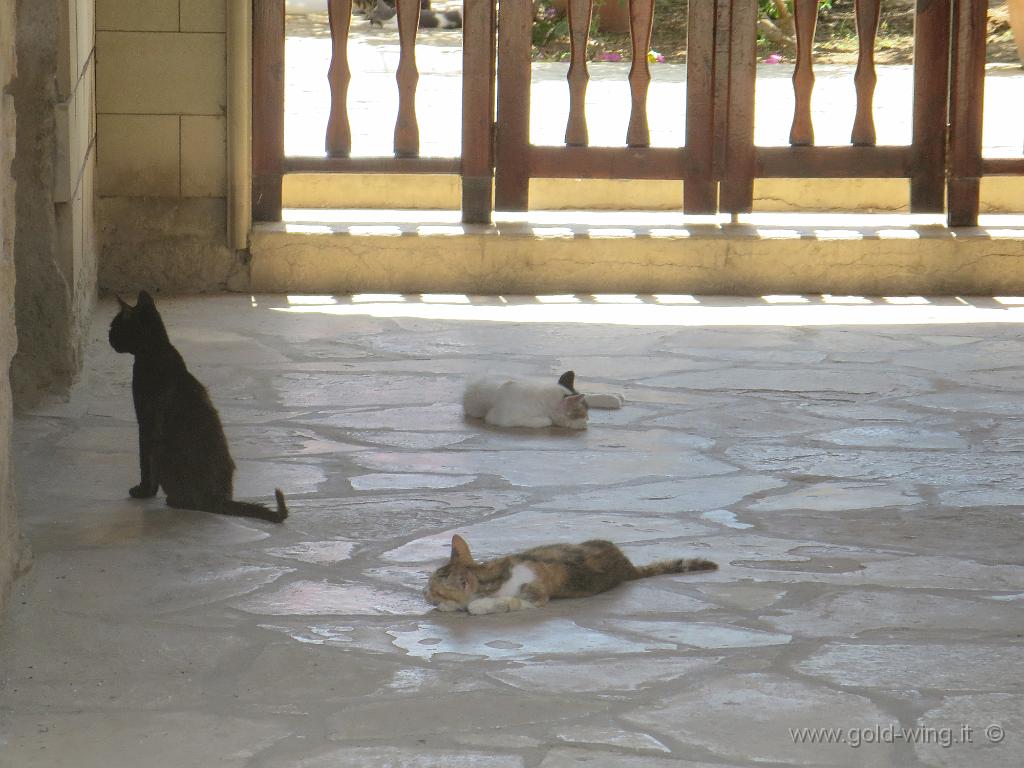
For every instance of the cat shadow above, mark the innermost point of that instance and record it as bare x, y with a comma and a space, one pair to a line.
150, 522
128, 522
552, 431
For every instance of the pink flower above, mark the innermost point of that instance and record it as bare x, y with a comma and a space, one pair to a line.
609, 56
773, 58
655, 58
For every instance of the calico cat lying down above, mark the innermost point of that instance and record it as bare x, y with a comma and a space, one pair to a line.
529, 579
182, 446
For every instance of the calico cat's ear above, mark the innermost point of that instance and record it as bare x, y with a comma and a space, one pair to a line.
145, 300
568, 380
460, 550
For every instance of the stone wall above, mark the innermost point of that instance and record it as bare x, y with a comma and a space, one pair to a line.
55, 248
8, 333
162, 174
48, 259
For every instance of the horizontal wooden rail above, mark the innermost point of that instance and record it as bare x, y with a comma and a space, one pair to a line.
833, 162
1002, 166
372, 165
607, 163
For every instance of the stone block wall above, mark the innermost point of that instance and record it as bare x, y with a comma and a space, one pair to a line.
162, 175
55, 247
8, 332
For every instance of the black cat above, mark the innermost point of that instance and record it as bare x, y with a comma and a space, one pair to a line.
181, 441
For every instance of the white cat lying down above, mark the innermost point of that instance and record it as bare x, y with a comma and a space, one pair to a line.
505, 402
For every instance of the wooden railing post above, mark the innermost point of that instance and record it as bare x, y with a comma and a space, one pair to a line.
931, 94
805, 19
407, 130
737, 189
512, 140
579, 32
641, 23
700, 190
267, 108
478, 29
339, 133
966, 103
865, 78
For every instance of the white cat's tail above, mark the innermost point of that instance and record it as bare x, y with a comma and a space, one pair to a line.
606, 400
683, 565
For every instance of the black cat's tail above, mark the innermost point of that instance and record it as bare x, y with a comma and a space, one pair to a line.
675, 566
249, 509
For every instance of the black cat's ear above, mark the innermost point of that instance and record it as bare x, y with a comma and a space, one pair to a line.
145, 300
568, 380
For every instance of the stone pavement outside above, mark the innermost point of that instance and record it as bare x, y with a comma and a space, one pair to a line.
853, 465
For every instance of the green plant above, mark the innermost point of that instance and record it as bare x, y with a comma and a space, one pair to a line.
770, 9
548, 23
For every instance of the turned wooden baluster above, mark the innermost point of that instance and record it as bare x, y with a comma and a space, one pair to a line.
579, 32
805, 17
641, 21
865, 77
339, 133
407, 131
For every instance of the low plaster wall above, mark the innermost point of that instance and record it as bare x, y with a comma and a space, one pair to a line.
167, 245
885, 257
999, 194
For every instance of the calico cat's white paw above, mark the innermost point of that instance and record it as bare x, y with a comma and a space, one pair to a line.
485, 605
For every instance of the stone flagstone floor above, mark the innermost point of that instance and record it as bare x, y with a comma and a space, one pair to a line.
853, 465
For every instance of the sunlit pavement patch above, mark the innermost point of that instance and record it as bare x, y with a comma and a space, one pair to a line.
318, 552
699, 634
319, 598
518, 638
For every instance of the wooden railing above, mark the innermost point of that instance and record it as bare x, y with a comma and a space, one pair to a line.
922, 161
719, 161
517, 160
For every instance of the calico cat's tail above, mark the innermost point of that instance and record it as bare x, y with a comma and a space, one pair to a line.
684, 565
249, 509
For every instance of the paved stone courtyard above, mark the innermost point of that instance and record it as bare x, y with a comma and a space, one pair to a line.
853, 465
